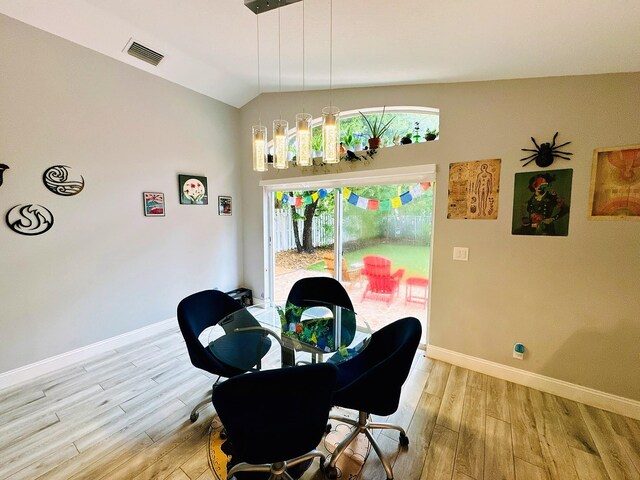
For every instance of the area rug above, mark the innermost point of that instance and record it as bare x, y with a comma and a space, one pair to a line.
221, 457
349, 464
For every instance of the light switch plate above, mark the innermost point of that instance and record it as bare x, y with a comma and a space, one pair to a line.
461, 254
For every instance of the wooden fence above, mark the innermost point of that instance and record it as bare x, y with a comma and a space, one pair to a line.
406, 229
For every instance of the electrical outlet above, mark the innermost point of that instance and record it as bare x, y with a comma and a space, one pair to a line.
461, 254
518, 351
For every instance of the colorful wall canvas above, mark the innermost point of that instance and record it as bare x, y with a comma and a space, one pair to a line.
193, 190
541, 202
153, 204
473, 190
615, 184
224, 205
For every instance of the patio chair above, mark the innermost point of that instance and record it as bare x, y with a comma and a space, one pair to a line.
380, 281
348, 275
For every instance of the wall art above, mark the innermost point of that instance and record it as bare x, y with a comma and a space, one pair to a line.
224, 205
473, 190
29, 219
541, 202
545, 153
153, 204
57, 180
615, 184
3, 167
193, 190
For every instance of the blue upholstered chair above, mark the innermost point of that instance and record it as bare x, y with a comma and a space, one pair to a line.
321, 289
371, 383
205, 309
275, 419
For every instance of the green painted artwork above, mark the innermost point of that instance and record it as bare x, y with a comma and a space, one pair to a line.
193, 190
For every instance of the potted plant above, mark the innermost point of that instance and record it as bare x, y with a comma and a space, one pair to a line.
316, 146
431, 134
348, 139
406, 140
376, 129
416, 132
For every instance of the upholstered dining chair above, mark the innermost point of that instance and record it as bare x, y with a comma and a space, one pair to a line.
278, 433
205, 309
321, 289
371, 383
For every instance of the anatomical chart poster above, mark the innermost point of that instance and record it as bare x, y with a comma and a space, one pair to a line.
473, 190
615, 184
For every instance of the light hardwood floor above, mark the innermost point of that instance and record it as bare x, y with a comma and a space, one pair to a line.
124, 415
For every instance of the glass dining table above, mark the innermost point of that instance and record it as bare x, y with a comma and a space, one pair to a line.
312, 332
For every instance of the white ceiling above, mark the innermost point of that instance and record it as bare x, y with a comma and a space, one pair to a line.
210, 45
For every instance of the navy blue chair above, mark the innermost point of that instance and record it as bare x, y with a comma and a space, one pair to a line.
274, 419
320, 289
371, 383
205, 309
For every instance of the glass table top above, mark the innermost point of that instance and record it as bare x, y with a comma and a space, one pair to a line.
315, 332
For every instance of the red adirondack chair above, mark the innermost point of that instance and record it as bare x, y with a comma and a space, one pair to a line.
380, 281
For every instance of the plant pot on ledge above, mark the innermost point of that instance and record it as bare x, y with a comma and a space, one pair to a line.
374, 143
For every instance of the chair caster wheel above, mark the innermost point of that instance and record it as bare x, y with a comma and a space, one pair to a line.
331, 473
194, 416
404, 440
327, 429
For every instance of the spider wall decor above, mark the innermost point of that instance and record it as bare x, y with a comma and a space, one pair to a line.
545, 153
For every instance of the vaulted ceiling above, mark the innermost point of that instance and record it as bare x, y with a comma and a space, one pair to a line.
210, 45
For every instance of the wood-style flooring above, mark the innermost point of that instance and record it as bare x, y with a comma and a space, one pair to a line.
124, 415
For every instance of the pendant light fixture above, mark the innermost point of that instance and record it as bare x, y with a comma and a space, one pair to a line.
303, 122
259, 132
331, 114
280, 126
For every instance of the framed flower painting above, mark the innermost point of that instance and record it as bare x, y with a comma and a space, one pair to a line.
193, 190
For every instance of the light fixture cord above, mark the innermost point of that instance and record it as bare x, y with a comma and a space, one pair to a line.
279, 69
331, 56
303, 53
258, 50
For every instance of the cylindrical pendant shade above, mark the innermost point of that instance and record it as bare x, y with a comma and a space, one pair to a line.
259, 148
280, 143
331, 134
303, 139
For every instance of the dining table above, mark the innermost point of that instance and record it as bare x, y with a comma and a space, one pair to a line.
307, 332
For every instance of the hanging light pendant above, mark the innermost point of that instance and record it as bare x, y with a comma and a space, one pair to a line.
303, 139
259, 148
259, 132
280, 143
331, 134
331, 114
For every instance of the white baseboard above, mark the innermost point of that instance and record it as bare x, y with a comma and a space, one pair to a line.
589, 396
28, 372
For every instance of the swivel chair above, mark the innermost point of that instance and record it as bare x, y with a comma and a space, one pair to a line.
200, 311
305, 291
278, 433
371, 383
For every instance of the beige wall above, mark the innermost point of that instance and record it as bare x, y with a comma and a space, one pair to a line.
573, 301
104, 269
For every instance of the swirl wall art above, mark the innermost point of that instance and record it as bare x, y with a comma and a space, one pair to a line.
30, 219
57, 180
3, 167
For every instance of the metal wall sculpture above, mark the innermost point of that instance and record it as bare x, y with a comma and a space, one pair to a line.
56, 179
545, 153
30, 219
3, 167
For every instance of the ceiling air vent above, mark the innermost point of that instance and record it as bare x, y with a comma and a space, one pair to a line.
145, 54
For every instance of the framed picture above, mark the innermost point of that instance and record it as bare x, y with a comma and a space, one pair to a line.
224, 205
473, 190
153, 204
615, 184
541, 202
193, 190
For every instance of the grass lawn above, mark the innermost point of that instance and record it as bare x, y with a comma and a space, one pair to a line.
414, 259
